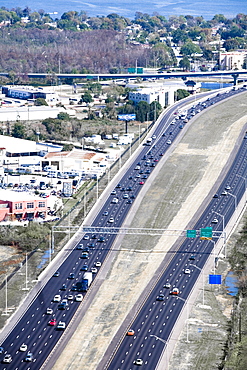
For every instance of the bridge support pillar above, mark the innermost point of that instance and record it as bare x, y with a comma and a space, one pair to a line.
235, 78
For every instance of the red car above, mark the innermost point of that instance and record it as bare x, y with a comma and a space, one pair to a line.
52, 322
141, 182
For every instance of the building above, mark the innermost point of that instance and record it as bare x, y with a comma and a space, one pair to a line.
21, 206
233, 60
162, 94
30, 93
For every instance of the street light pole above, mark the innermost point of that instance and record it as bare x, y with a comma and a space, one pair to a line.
187, 320
202, 282
165, 342
245, 184
223, 227
214, 252
235, 199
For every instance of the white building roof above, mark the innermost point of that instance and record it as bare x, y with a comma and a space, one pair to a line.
15, 196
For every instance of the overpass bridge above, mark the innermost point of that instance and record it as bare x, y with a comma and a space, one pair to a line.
97, 76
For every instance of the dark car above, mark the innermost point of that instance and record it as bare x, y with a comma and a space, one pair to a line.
29, 357
101, 239
84, 268
64, 287
160, 297
71, 275
56, 274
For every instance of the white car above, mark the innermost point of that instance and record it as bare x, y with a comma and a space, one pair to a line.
97, 264
23, 347
61, 325
86, 237
215, 221
187, 271
94, 270
70, 297
49, 311
167, 285
78, 297
139, 361
7, 358
57, 298
114, 200
111, 220
168, 142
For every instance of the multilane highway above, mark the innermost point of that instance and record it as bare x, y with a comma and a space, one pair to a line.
33, 329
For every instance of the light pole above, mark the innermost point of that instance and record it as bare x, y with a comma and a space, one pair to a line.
187, 314
245, 183
235, 199
165, 342
212, 241
6, 296
223, 227
202, 282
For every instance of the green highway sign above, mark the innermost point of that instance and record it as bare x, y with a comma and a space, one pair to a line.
206, 233
191, 233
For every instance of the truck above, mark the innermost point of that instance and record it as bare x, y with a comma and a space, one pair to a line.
85, 283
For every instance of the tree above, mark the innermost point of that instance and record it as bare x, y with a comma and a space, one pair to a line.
40, 101
142, 109
63, 116
189, 49
87, 97
184, 63
19, 131
181, 94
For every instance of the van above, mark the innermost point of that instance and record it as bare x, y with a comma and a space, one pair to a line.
21, 170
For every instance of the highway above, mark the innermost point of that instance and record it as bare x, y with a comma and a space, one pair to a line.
33, 329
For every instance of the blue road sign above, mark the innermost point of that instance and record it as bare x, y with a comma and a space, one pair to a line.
214, 279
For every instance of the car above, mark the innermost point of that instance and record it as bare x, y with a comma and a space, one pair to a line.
105, 213
125, 196
84, 255
94, 236
56, 274
7, 358
115, 200
73, 288
111, 220
61, 325
192, 257
71, 275
187, 271
156, 160
228, 187
97, 264
175, 291
123, 188
154, 137
130, 332
161, 154
137, 168
70, 297
91, 245
57, 298
86, 237
129, 201
29, 357
168, 142
216, 195
86, 249
215, 221
62, 306
79, 247
164, 134
1, 350
160, 297
64, 287
167, 285
118, 186
94, 270
141, 183
138, 362
224, 192
23, 347
49, 311
78, 297
138, 176
101, 239
84, 268
52, 322
113, 192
